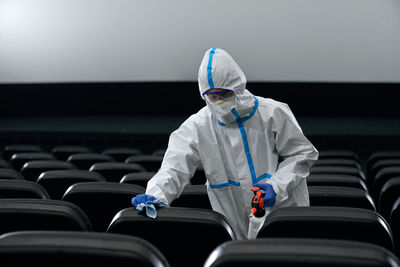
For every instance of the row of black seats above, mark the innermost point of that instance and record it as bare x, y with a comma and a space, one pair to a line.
188, 236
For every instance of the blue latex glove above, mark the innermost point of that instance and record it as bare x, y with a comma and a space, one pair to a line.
270, 195
148, 203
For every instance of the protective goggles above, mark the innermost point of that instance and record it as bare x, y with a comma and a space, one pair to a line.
220, 95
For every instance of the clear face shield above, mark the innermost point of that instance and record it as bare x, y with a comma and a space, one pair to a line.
215, 96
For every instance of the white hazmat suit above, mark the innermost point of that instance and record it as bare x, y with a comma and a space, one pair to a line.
258, 141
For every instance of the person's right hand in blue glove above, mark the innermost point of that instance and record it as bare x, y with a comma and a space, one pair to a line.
142, 198
270, 195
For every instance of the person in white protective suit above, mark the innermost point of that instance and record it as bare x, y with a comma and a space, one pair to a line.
241, 140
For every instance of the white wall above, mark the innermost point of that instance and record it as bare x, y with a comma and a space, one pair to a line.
148, 40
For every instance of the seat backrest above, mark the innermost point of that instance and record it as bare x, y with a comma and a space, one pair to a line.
388, 196
340, 197
337, 170
102, 200
328, 222
32, 169
150, 162
338, 162
83, 161
21, 189
381, 155
338, 154
10, 174
57, 182
395, 225
5, 164
138, 178
114, 171
19, 159
41, 214
121, 154
336, 180
298, 252
193, 196
12, 149
63, 152
69, 248
379, 165
186, 236
384, 175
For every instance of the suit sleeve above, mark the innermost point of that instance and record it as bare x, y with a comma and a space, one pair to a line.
295, 149
179, 164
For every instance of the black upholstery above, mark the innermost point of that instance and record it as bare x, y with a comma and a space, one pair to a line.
193, 196
186, 236
71, 248
12, 149
149, 162
338, 162
328, 222
114, 171
57, 182
21, 189
381, 178
388, 196
101, 201
337, 170
379, 165
5, 164
19, 159
63, 152
340, 197
84, 161
121, 154
338, 154
41, 214
381, 155
10, 174
395, 225
32, 169
325, 179
302, 252
138, 178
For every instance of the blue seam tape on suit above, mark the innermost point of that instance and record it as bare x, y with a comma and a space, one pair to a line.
230, 182
209, 68
240, 121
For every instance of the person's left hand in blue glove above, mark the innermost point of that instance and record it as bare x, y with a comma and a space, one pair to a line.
270, 195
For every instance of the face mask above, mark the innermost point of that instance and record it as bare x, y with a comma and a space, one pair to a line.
225, 106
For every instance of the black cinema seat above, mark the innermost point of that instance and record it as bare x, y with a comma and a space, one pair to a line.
338, 154
300, 252
340, 197
337, 170
193, 196
159, 152
328, 222
21, 189
379, 165
84, 161
121, 154
71, 248
41, 214
395, 225
10, 174
32, 169
381, 155
149, 162
19, 159
186, 236
114, 171
199, 176
12, 149
138, 178
57, 182
336, 180
5, 164
101, 201
381, 178
388, 196
338, 162
63, 152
